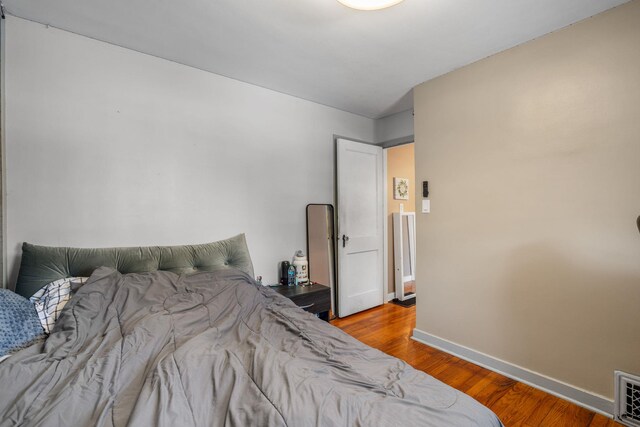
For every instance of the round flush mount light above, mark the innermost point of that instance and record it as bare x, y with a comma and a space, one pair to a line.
369, 4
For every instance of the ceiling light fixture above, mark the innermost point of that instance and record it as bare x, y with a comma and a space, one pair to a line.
369, 4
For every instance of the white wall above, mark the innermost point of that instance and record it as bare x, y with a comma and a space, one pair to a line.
396, 127
109, 147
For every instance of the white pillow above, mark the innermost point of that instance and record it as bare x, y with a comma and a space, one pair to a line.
51, 299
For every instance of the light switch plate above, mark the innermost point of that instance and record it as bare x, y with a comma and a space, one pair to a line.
426, 205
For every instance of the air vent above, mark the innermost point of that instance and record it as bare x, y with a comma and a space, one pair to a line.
627, 395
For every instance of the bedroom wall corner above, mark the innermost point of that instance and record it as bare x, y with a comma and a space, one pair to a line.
3, 205
531, 254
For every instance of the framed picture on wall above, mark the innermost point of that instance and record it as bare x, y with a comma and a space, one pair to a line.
401, 188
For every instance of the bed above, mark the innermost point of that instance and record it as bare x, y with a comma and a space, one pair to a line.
183, 336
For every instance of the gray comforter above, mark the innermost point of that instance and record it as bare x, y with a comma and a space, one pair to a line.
157, 349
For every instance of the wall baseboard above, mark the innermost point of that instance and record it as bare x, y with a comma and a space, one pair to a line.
391, 296
557, 388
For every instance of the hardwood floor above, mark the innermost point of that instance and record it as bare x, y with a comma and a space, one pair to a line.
389, 327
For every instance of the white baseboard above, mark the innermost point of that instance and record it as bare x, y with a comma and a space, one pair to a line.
591, 401
391, 296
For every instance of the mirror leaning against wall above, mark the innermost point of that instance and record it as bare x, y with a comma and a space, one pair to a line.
320, 246
404, 250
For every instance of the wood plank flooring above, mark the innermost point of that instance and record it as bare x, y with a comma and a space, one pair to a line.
389, 327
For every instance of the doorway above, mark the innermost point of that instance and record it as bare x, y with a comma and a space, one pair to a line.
400, 171
367, 176
360, 225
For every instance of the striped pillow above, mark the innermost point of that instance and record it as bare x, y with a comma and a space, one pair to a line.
51, 299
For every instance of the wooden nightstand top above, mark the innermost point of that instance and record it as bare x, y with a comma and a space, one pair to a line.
294, 291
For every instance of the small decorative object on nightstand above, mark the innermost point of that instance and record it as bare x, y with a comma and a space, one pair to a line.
314, 298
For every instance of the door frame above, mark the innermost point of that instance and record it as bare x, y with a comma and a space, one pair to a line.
385, 230
388, 296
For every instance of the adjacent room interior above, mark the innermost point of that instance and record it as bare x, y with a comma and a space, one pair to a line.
246, 200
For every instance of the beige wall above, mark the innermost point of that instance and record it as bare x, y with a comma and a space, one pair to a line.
400, 164
531, 253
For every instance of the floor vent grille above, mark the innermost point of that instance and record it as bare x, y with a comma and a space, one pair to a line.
627, 395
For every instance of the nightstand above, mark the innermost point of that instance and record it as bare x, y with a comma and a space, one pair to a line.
315, 298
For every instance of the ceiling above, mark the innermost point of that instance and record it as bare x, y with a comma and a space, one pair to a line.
362, 62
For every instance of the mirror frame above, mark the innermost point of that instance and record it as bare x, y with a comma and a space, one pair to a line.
398, 252
332, 273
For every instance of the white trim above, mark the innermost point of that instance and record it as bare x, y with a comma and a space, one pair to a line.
385, 227
588, 400
391, 296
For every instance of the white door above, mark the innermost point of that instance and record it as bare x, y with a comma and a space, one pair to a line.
360, 227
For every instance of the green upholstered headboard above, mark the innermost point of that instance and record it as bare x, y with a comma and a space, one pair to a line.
44, 264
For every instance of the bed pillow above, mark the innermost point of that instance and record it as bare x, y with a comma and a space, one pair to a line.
19, 323
51, 299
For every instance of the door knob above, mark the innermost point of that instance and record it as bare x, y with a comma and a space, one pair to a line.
345, 239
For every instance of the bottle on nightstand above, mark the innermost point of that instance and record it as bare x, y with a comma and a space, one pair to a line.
291, 276
301, 264
284, 273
